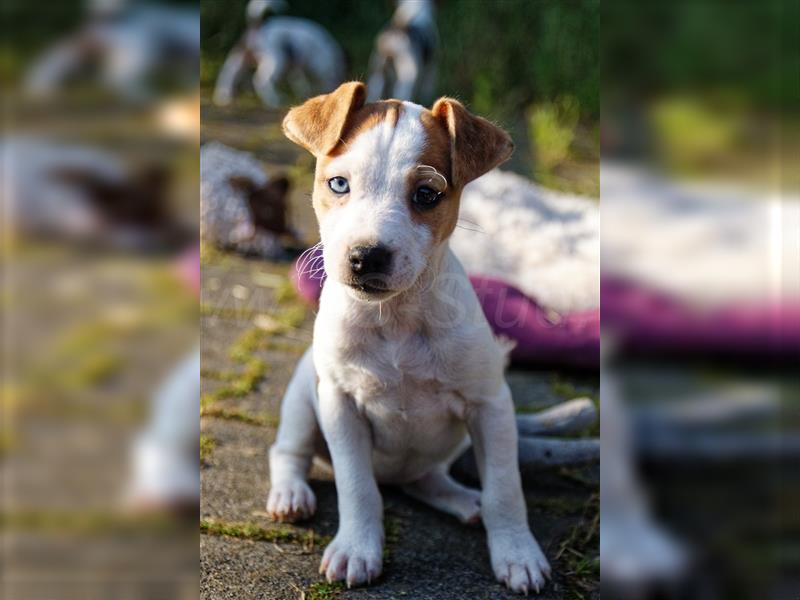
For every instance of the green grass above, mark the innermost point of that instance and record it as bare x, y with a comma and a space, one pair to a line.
578, 554
236, 314
207, 445
253, 531
393, 526
237, 384
84, 523
262, 420
247, 343
560, 505
322, 590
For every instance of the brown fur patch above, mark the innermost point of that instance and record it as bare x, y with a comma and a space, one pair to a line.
319, 123
477, 145
364, 119
359, 121
460, 146
440, 220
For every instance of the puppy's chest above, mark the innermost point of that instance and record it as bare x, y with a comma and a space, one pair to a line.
409, 377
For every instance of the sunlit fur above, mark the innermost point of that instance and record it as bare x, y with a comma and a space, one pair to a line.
399, 384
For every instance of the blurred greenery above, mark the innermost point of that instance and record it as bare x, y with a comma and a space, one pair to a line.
506, 59
552, 129
651, 48
497, 56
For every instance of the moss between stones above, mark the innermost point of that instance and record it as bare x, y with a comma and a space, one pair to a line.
322, 590
253, 531
207, 445
237, 384
578, 554
86, 523
263, 420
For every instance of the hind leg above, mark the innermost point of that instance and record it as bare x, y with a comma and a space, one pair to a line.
439, 490
290, 497
271, 67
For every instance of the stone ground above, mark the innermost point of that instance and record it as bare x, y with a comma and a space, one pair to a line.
254, 331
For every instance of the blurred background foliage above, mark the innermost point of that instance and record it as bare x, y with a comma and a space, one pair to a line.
530, 65
707, 87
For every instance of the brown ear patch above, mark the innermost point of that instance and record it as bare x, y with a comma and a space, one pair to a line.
318, 124
359, 121
365, 118
477, 145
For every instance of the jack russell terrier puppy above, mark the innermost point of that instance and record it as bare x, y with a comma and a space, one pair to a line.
279, 49
404, 370
403, 64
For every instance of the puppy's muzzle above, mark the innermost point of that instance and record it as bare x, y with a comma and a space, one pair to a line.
370, 267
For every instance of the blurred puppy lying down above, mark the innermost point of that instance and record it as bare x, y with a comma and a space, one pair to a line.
242, 209
88, 196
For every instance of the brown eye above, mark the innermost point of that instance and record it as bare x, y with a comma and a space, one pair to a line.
425, 197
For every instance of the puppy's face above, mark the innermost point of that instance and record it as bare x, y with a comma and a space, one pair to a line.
388, 180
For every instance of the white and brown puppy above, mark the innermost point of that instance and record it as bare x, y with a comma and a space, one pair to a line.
281, 49
404, 370
403, 64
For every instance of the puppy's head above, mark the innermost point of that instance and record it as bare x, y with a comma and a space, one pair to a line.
388, 181
267, 202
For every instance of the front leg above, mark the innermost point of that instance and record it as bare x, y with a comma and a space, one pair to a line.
516, 557
356, 553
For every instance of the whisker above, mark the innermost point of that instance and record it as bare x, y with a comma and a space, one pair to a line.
313, 263
307, 258
470, 229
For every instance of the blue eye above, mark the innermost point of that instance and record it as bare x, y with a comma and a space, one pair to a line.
338, 185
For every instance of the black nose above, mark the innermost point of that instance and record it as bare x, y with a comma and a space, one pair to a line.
369, 260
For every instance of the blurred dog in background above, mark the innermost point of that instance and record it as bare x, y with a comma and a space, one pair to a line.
297, 51
89, 196
128, 45
403, 64
241, 208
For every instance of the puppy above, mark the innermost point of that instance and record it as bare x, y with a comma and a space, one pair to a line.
403, 64
132, 45
281, 48
241, 209
404, 370
88, 196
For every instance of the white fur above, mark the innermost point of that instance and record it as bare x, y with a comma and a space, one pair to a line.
316, 63
139, 42
707, 244
39, 203
544, 242
377, 165
225, 218
403, 384
398, 55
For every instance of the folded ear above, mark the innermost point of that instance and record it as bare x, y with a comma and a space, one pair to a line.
277, 185
476, 145
318, 124
242, 183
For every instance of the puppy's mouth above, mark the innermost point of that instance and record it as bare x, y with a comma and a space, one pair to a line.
369, 288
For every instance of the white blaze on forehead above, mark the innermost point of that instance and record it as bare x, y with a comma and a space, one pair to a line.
378, 164
378, 161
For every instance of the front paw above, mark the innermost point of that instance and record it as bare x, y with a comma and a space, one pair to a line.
518, 562
355, 558
291, 501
